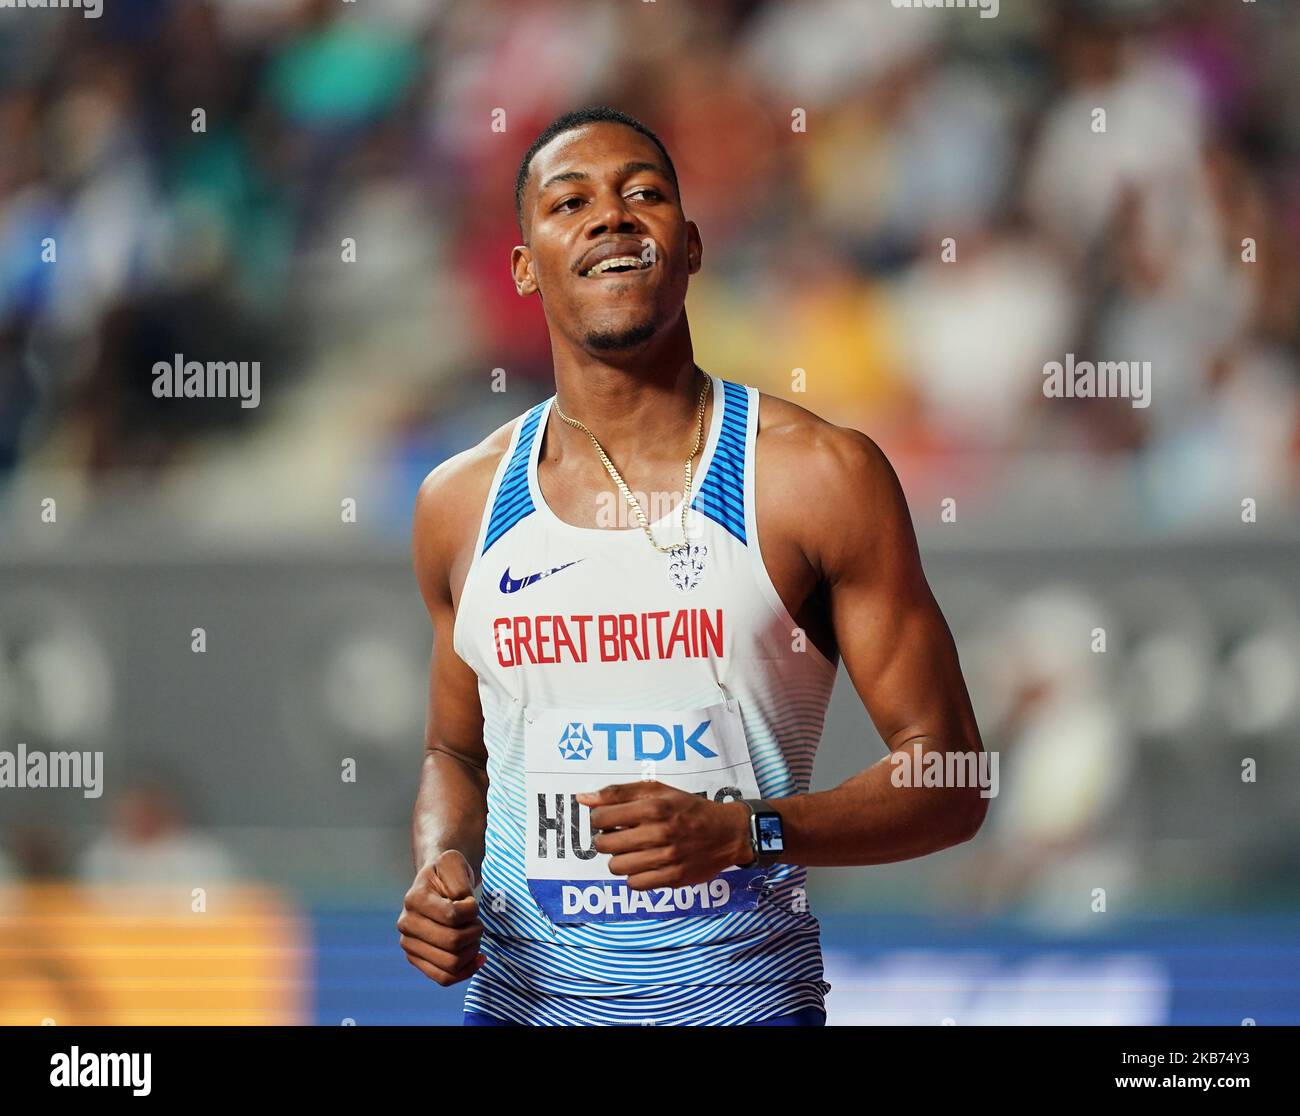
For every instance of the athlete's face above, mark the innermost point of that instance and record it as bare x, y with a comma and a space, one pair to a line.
602, 193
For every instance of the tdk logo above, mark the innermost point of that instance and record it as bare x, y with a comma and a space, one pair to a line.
575, 743
649, 741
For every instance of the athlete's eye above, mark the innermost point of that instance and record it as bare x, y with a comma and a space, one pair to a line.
564, 205
647, 191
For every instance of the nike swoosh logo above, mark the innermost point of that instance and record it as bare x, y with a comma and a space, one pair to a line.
514, 584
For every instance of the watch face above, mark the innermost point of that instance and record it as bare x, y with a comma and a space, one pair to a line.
770, 839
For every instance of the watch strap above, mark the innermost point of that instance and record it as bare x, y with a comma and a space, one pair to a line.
756, 806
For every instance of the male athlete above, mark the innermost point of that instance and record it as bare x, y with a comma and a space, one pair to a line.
623, 718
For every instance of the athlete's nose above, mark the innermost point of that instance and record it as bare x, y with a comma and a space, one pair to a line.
611, 214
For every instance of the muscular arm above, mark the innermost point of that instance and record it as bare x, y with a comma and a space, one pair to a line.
439, 927
854, 547
901, 659
451, 805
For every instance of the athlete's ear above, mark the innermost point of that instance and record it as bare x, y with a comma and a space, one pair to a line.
521, 264
694, 248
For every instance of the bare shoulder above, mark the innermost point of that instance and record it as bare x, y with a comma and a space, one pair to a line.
449, 508
462, 477
829, 459
832, 487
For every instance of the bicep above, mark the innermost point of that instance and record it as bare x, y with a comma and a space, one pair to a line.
902, 660
455, 714
454, 720
897, 648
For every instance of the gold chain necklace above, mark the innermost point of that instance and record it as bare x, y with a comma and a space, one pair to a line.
627, 492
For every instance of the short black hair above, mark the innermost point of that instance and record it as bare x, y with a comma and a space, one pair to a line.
596, 114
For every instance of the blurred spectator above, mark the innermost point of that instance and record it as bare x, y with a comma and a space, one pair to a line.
38, 850
1057, 830
150, 842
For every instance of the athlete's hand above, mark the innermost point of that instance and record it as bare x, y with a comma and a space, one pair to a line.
439, 924
664, 837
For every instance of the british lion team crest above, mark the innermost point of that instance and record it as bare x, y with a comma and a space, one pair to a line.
686, 565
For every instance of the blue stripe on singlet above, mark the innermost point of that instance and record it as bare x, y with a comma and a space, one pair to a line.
513, 499
722, 495
808, 1017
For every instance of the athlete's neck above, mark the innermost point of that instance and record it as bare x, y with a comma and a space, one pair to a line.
639, 408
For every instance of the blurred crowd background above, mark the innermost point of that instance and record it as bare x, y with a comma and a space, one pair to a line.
374, 121
1171, 237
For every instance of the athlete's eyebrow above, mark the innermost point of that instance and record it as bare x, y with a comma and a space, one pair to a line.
622, 172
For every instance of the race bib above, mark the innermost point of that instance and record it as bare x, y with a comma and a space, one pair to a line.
569, 751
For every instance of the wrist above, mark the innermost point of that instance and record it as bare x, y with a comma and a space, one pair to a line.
741, 845
766, 834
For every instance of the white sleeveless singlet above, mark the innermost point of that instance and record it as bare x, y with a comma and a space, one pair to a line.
601, 660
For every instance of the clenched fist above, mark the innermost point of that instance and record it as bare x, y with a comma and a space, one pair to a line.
439, 924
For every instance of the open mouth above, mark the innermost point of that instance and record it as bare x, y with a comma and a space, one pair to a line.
616, 265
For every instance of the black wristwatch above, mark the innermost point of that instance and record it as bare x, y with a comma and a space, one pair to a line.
766, 837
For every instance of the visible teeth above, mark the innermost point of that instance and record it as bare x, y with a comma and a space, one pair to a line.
615, 261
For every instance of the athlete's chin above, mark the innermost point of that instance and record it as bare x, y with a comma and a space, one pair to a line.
617, 339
